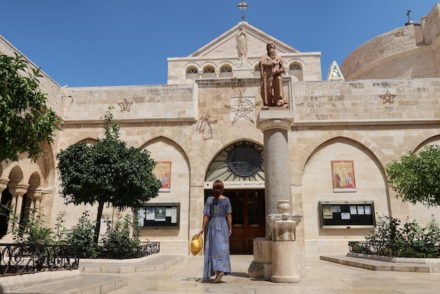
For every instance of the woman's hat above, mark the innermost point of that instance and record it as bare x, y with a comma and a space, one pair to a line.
196, 244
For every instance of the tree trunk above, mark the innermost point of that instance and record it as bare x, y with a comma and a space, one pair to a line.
98, 221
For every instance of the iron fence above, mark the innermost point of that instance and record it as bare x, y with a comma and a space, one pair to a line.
17, 259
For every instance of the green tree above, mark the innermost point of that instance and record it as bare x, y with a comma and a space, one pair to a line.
25, 119
107, 173
416, 176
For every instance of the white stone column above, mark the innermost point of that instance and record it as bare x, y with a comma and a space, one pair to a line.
275, 125
17, 193
3, 185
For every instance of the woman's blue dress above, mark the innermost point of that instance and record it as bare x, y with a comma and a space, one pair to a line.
217, 237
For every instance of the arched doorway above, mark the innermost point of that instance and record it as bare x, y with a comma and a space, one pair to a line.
240, 167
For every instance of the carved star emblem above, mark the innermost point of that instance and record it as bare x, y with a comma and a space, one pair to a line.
125, 105
387, 97
242, 108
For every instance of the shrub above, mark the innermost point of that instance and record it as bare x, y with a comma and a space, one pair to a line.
118, 242
81, 237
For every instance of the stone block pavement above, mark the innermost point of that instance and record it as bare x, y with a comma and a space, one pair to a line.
319, 277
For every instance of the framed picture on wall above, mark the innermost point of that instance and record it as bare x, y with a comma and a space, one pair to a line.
343, 176
162, 171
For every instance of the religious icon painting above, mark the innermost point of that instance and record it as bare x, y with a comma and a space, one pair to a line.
343, 176
162, 171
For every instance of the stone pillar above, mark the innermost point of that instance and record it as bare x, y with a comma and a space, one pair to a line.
3, 185
275, 125
38, 196
17, 193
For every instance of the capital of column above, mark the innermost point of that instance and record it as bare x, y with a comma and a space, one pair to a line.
36, 195
275, 119
19, 190
3, 184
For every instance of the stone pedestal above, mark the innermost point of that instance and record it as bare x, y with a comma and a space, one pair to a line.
261, 266
285, 262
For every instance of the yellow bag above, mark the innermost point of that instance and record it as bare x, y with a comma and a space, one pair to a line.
196, 244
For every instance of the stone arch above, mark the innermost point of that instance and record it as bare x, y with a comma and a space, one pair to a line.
317, 185
164, 149
314, 144
296, 69
88, 141
434, 140
228, 145
16, 175
46, 166
192, 69
226, 70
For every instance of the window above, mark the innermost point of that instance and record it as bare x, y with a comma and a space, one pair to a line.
192, 70
208, 69
226, 68
295, 66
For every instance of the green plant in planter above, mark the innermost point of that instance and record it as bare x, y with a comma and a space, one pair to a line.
81, 237
118, 242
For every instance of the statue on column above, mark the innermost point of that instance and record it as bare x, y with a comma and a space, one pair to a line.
271, 69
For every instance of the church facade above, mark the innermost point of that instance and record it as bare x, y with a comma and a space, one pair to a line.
201, 126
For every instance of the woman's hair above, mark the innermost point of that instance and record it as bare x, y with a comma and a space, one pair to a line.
218, 188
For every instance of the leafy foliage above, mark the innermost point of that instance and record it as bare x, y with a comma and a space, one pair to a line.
118, 243
81, 237
25, 119
416, 176
34, 232
410, 240
107, 173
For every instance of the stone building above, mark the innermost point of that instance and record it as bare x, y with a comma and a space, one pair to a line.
201, 126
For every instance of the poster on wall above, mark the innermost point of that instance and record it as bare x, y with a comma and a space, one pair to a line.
343, 176
162, 171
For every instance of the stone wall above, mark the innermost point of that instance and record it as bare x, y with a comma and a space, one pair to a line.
407, 52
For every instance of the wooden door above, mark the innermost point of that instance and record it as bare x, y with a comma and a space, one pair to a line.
248, 219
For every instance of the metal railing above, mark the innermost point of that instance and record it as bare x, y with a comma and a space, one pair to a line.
145, 249
17, 259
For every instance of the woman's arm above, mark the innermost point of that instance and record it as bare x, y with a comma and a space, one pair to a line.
229, 219
205, 222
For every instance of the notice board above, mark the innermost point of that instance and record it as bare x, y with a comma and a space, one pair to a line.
159, 216
346, 214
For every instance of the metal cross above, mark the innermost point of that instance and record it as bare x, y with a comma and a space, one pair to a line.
243, 6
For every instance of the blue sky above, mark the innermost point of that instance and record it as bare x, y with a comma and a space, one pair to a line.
127, 42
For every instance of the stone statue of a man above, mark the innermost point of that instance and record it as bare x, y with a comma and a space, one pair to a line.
242, 43
271, 68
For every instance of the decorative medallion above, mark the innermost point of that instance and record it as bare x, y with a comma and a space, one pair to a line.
125, 105
387, 97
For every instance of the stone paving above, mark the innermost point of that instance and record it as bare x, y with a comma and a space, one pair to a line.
319, 277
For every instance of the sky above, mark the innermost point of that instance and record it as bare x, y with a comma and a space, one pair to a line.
83, 43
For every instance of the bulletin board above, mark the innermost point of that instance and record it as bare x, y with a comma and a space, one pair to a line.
159, 216
340, 215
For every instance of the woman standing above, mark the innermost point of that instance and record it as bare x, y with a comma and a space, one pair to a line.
217, 222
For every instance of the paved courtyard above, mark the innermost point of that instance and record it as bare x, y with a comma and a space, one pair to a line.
319, 277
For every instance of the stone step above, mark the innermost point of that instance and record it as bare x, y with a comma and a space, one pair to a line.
376, 265
145, 264
82, 284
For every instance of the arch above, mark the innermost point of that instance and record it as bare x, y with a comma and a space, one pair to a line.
296, 69
358, 139
226, 67
352, 142
218, 162
428, 141
34, 181
16, 175
170, 141
46, 165
208, 69
192, 69
226, 70
89, 141
317, 185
